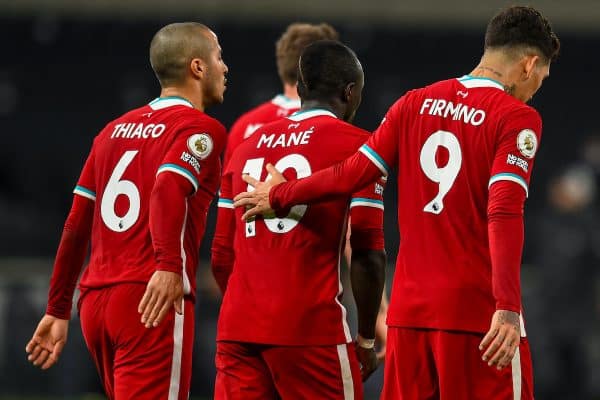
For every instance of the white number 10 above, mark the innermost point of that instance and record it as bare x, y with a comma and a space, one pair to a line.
446, 175
254, 168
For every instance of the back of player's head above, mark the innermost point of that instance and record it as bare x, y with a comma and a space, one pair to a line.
522, 29
174, 46
291, 43
325, 69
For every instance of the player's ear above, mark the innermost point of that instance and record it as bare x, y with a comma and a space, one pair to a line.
529, 64
349, 92
197, 68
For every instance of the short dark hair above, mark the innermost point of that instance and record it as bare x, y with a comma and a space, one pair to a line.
520, 26
325, 68
174, 46
291, 43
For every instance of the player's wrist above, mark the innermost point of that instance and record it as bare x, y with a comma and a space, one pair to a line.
505, 306
168, 267
364, 342
58, 312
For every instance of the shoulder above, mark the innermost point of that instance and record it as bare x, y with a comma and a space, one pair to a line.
345, 135
192, 120
254, 115
515, 112
410, 98
129, 117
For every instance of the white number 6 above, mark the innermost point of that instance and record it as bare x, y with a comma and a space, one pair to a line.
446, 175
113, 189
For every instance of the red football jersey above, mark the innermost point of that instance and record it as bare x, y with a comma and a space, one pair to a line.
278, 107
450, 141
285, 286
166, 136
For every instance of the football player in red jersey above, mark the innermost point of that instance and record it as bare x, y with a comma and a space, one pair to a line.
287, 51
141, 203
464, 149
282, 331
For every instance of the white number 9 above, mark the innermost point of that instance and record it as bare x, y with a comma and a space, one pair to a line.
446, 175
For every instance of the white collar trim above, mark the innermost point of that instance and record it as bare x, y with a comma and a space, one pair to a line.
469, 82
163, 102
285, 102
317, 112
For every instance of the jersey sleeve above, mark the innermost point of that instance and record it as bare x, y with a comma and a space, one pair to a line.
234, 138
222, 253
366, 217
86, 185
382, 147
73, 246
194, 153
373, 159
516, 147
506, 237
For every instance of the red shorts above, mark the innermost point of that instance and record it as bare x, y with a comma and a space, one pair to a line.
248, 371
425, 364
135, 362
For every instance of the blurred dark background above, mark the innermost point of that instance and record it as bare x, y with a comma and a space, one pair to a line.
69, 67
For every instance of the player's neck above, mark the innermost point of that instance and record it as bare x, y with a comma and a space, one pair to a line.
194, 98
290, 91
314, 104
495, 66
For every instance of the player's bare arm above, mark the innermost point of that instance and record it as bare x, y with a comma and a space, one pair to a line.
502, 340
381, 327
367, 276
257, 201
47, 342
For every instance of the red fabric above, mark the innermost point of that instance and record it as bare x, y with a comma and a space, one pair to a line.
422, 364
449, 142
135, 362
505, 229
128, 157
286, 270
247, 371
168, 208
244, 127
70, 257
326, 184
222, 255
247, 124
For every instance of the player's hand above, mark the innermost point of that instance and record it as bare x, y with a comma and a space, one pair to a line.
502, 340
47, 342
164, 290
257, 200
368, 361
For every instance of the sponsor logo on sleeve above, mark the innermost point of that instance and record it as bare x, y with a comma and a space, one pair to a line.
378, 189
518, 161
191, 160
527, 143
200, 145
